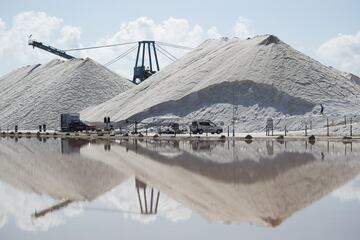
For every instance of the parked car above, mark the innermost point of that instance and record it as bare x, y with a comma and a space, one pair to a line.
172, 128
204, 126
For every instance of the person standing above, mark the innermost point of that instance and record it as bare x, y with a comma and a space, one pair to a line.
322, 108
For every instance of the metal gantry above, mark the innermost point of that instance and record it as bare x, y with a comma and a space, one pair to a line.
142, 72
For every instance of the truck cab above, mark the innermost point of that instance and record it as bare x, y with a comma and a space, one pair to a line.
70, 122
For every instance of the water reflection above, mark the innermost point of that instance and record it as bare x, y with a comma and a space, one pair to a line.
41, 167
72, 146
37, 174
259, 182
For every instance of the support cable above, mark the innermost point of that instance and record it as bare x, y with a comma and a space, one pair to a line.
174, 45
167, 52
127, 43
101, 46
160, 51
121, 56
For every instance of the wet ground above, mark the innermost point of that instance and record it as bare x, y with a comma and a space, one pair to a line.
158, 189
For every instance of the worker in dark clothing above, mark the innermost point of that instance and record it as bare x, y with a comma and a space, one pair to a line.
322, 108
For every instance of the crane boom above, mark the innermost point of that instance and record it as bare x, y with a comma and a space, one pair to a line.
50, 49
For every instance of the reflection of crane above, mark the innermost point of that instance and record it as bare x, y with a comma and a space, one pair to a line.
51, 209
148, 206
145, 208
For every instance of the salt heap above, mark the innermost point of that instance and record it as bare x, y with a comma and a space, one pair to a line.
352, 77
38, 94
263, 77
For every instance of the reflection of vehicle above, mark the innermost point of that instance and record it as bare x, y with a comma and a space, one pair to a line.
203, 146
72, 146
205, 126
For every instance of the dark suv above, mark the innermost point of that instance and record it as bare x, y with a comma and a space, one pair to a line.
80, 126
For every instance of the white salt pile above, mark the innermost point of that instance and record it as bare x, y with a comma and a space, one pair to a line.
38, 94
262, 77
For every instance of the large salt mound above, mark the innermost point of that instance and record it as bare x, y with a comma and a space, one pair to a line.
263, 77
38, 94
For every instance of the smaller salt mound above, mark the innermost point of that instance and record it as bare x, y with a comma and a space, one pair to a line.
38, 94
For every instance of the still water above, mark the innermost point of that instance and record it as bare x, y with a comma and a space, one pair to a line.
129, 189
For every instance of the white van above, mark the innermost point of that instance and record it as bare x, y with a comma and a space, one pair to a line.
205, 126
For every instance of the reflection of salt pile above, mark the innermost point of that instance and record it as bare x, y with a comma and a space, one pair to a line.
265, 191
124, 197
32, 166
263, 76
43, 174
350, 191
38, 94
36, 175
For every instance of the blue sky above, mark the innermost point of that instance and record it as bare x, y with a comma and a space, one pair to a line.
305, 25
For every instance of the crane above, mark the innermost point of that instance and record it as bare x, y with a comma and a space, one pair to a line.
145, 50
50, 49
146, 63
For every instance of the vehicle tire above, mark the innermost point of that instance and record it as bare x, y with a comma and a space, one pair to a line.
218, 131
201, 131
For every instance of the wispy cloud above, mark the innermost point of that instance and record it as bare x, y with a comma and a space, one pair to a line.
14, 51
342, 51
242, 28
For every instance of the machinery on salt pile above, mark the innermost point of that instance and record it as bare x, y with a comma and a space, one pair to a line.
146, 63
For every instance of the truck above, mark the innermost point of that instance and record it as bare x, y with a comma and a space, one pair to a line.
70, 122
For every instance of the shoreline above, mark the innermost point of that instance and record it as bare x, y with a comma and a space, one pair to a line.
168, 137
